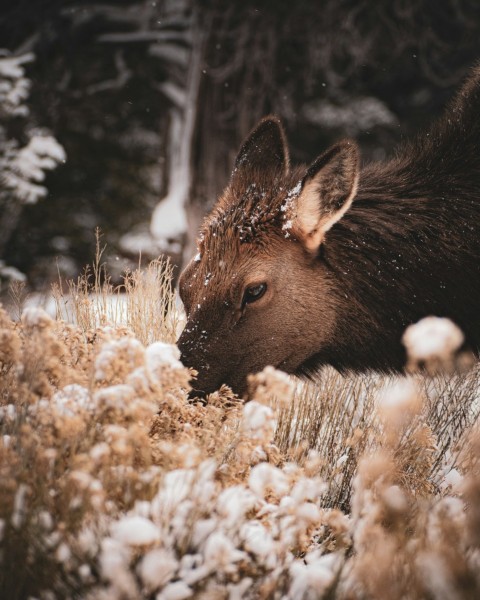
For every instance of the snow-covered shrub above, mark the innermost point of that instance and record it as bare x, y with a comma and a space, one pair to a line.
115, 485
434, 343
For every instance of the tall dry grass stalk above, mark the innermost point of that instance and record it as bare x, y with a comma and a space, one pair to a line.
144, 302
115, 486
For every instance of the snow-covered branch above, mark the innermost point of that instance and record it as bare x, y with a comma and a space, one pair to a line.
22, 165
14, 86
144, 36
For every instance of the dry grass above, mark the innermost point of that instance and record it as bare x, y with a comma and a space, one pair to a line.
144, 302
337, 417
115, 486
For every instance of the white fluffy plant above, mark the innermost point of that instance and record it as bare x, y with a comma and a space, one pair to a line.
23, 162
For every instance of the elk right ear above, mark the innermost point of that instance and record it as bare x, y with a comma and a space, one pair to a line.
264, 150
326, 193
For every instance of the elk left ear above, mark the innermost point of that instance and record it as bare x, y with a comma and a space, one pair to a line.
327, 191
265, 149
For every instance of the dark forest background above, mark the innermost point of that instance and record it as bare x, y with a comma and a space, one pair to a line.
151, 99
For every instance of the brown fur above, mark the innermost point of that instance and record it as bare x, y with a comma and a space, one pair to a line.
407, 246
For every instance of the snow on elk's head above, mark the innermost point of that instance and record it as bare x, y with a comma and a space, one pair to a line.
249, 293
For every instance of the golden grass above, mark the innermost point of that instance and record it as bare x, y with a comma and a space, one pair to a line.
144, 302
115, 486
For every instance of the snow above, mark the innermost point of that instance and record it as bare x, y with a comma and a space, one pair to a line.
82, 479
99, 451
144, 36
135, 531
437, 575
239, 591
257, 539
129, 347
295, 191
234, 503
63, 553
140, 242
307, 512
11, 273
85, 572
175, 591
14, 87
169, 218
432, 337
174, 93
202, 529
29, 164
258, 420
45, 520
8, 413
358, 115
19, 509
308, 489
160, 354
264, 477
398, 394
220, 552
258, 455
172, 53
114, 565
291, 195
157, 568
176, 487
395, 499
115, 396
452, 479
35, 317
10, 67
71, 397
45, 301
87, 540
287, 208
313, 579
44, 150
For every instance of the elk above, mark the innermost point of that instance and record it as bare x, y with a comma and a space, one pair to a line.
299, 267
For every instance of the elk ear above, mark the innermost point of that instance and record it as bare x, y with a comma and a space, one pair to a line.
264, 150
326, 193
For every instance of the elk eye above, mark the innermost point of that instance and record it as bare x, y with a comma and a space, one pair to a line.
254, 293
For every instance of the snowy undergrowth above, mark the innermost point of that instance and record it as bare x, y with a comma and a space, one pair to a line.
116, 486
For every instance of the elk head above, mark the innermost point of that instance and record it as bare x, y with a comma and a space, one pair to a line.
258, 293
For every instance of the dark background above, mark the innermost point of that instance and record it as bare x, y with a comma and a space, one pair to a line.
109, 79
